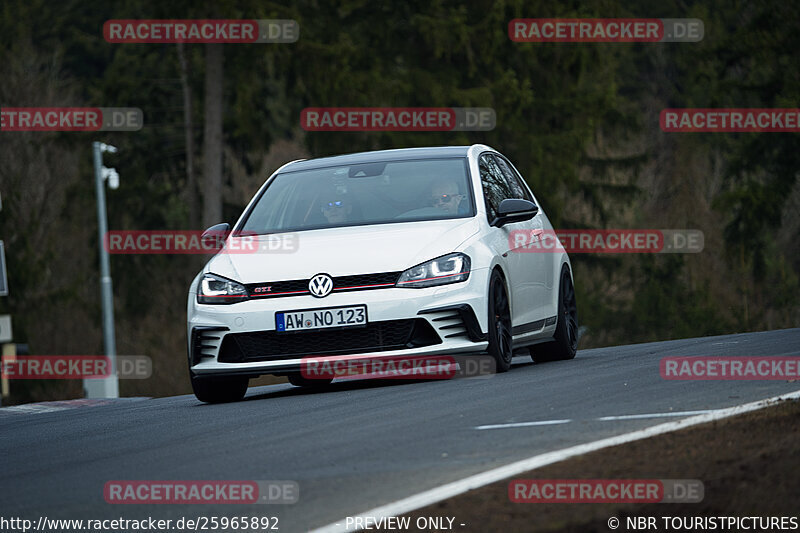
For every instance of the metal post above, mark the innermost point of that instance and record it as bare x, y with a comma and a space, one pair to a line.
104, 387
9, 356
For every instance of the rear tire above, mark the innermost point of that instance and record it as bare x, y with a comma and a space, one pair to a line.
500, 338
219, 389
565, 339
298, 380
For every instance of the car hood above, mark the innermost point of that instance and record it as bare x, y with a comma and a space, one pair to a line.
344, 251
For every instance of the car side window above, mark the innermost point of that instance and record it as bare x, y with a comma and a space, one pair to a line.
514, 178
496, 187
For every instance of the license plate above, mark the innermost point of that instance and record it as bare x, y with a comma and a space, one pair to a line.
332, 317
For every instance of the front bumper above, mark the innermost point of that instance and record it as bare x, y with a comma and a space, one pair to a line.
454, 314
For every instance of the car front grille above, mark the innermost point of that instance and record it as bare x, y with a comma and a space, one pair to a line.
299, 287
374, 337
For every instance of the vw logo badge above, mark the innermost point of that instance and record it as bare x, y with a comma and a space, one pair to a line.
320, 285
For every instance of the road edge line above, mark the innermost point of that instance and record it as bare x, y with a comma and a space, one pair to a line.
454, 488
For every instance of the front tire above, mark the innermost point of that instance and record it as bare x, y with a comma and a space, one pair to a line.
500, 338
219, 389
565, 339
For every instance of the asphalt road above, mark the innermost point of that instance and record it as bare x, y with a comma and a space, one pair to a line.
353, 446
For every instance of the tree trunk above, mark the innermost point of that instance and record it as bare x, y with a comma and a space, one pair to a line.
188, 125
212, 141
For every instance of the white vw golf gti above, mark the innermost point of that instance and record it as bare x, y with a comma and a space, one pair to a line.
404, 253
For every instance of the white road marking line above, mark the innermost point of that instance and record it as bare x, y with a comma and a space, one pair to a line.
32, 409
657, 415
602, 419
64, 405
524, 424
443, 492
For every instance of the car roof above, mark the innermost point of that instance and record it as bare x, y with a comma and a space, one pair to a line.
379, 155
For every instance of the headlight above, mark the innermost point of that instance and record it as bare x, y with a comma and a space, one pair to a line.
217, 290
450, 268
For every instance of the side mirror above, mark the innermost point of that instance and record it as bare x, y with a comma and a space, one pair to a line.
214, 237
514, 210
216, 230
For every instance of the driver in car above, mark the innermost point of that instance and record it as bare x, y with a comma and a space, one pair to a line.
445, 196
337, 210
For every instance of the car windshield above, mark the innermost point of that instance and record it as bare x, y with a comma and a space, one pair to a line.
362, 194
